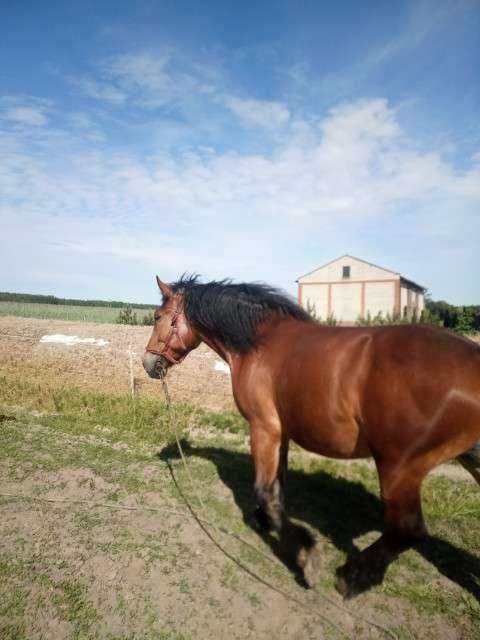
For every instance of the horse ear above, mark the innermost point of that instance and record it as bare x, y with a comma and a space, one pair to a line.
164, 288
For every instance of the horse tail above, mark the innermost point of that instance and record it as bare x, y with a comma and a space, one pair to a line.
471, 461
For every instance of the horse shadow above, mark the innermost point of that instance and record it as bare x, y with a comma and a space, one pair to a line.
340, 510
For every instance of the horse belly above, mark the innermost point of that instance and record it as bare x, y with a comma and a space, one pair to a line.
342, 439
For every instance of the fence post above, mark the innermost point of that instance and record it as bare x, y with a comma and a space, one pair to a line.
130, 371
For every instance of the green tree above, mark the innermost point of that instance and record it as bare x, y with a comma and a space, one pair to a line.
465, 320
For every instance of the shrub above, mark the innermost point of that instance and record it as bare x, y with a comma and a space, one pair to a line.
127, 316
148, 319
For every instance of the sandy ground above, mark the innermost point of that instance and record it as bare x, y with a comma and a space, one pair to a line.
107, 368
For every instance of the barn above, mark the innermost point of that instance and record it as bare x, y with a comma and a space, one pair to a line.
349, 288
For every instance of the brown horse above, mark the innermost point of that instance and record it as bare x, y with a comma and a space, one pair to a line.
407, 395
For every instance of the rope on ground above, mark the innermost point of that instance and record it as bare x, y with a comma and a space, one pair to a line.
200, 521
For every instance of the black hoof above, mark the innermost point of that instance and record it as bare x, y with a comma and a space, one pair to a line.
350, 581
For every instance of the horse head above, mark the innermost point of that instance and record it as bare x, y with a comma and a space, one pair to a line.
173, 337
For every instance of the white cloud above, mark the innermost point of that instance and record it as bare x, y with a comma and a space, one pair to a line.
226, 213
258, 112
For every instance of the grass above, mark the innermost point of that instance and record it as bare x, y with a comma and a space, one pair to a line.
64, 312
104, 447
114, 417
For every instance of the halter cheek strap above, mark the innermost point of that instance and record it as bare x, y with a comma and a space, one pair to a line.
166, 351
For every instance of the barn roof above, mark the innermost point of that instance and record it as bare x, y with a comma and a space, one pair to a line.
347, 255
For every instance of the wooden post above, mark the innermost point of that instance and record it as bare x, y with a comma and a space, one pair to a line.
130, 371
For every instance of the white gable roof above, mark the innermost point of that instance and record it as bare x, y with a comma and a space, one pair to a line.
325, 271
359, 270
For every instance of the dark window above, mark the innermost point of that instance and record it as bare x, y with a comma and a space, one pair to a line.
346, 272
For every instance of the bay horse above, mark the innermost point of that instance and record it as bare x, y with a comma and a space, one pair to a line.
406, 395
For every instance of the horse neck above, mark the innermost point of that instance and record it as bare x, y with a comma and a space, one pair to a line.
268, 326
216, 345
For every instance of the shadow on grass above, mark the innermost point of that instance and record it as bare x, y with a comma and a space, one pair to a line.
341, 510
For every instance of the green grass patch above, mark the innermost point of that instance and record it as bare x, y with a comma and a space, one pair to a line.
106, 315
113, 417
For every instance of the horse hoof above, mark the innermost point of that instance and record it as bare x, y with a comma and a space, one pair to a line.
346, 581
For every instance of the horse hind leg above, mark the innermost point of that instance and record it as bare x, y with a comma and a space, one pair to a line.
471, 461
404, 525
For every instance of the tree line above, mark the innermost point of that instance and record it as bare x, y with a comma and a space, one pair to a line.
6, 296
461, 318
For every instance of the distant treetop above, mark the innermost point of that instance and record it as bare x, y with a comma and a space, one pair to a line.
6, 296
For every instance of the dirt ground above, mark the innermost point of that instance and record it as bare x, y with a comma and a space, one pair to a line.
103, 546
107, 368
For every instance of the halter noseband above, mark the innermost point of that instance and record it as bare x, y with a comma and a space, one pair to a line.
166, 351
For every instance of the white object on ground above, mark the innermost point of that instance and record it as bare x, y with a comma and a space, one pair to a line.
221, 366
59, 338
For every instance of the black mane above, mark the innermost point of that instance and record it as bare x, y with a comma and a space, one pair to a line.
233, 311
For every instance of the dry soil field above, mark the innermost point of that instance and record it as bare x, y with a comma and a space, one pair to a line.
107, 368
97, 541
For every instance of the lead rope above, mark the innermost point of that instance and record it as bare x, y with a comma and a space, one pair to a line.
201, 521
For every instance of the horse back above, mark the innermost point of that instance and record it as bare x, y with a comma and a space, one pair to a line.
348, 392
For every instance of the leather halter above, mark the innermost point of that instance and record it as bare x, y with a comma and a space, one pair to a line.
166, 351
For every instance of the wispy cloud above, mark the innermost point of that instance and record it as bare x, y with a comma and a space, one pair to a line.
142, 79
83, 124
425, 19
258, 112
98, 90
25, 110
173, 83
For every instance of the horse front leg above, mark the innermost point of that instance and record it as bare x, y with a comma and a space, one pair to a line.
295, 545
270, 456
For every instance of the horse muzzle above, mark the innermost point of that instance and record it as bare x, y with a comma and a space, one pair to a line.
155, 365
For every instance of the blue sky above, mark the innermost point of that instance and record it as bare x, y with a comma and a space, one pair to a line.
252, 140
